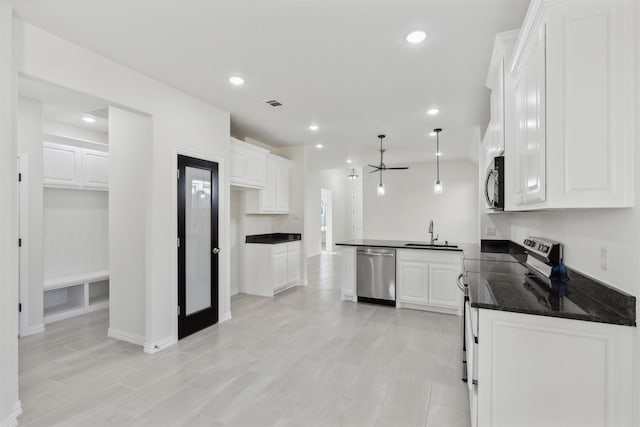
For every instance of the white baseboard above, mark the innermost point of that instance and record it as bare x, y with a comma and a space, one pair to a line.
159, 345
32, 330
226, 316
309, 255
235, 291
12, 419
125, 336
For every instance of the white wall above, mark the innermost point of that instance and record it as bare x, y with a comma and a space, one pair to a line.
75, 232
29, 137
9, 402
403, 213
179, 123
129, 220
312, 188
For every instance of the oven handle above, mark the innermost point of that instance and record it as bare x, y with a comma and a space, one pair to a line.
486, 187
460, 285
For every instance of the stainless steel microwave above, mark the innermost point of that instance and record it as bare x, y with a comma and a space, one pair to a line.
494, 185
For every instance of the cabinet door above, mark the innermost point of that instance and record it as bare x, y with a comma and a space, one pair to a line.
61, 165
497, 111
348, 255
282, 188
268, 194
442, 285
95, 169
530, 135
413, 282
590, 104
279, 270
237, 162
293, 266
255, 169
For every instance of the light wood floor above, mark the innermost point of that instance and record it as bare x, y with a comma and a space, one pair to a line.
302, 359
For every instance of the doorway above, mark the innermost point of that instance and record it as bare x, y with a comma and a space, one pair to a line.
197, 245
326, 221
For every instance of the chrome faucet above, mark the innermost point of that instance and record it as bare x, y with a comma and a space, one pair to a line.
431, 232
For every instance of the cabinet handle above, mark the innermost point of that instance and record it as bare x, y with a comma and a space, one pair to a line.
216, 251
486, 187
460, 285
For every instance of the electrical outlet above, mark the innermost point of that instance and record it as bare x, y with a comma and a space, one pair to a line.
604, 258
490, 230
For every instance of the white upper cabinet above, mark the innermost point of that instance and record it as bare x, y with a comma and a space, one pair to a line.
67, 166
573, 74
497, 83
61, 165
247, 164
274, 197
530, 138
95, 165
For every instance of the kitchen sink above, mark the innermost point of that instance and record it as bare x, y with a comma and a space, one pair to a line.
430, 245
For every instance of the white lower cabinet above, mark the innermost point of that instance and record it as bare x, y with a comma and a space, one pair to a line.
270, 269
71, 296
544, 371
426, 279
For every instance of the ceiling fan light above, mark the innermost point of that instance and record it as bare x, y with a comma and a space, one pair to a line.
381, 189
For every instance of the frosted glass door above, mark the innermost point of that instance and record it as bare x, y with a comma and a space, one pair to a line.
197, 244
198, 239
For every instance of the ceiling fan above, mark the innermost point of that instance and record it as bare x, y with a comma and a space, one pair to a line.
382, 167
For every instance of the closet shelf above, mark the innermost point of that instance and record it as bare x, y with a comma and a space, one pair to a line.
76, 279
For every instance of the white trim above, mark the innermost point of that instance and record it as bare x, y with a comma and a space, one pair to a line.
76, 142
31, 330
160, 345
76, 279
223, 242
234, 291
225, 317
535, 13
12, 419
23, 251
67, 314
125, 336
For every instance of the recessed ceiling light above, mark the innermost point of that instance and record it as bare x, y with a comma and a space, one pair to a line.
349, 161
319, 146
314, 127
236, 80
88, 119
432, 134
433, 111
416, 37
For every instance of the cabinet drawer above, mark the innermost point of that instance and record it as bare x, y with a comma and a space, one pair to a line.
280, 248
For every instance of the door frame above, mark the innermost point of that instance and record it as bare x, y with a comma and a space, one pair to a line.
224, 310
23, 235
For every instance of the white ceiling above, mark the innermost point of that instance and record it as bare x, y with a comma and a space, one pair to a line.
64, 105
341, 64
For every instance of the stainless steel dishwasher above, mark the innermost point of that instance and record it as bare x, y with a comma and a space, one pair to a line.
376, 275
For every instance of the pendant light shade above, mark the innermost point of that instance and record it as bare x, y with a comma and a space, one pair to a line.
381, 186
437, 185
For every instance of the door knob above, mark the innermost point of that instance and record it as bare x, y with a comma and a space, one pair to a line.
216, 251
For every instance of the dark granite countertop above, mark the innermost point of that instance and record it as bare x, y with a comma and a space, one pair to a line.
402, 244
501, 284
273, 238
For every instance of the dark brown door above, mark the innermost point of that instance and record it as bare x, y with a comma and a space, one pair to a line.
197, 245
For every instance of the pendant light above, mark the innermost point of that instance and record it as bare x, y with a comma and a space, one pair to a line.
381, 186
437, 185
353, 175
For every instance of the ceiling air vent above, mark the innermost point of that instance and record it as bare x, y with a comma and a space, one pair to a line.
273, 103
100, 112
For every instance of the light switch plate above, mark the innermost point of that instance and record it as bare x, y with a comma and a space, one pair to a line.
604, 258
490, 230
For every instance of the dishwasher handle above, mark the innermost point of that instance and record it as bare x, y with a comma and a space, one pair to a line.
374, 254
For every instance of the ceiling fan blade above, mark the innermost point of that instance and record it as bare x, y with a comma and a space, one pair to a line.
399, 168
375, 170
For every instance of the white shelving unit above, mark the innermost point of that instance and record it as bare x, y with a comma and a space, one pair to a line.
70, 296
